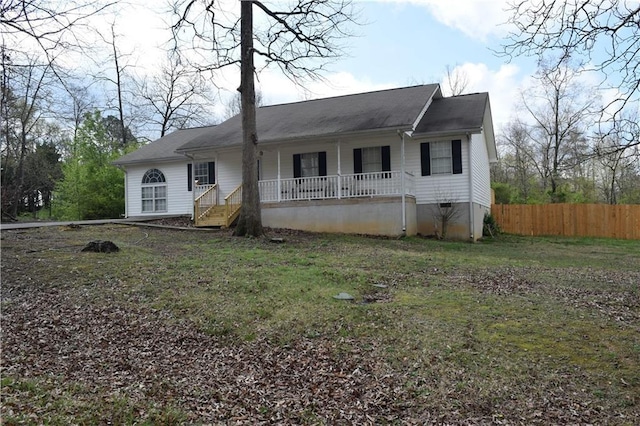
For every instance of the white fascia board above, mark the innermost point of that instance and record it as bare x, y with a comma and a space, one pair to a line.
433, 135
426, 106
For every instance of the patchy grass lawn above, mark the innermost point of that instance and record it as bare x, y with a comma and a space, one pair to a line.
200, 327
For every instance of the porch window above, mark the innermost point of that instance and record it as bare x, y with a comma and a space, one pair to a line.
154, 192
310, 164
373, 159
440, 158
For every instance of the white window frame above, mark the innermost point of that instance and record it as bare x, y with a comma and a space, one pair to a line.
201, 173
441, 158
310, 164
154, 197
372, 159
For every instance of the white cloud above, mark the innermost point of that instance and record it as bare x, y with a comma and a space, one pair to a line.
276, 88
502, 84
475, 18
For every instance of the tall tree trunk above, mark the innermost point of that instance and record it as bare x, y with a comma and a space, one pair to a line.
19, 176
123, 130
250, 220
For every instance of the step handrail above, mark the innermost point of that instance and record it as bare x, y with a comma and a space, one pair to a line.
200, 210
212, 188
232, 204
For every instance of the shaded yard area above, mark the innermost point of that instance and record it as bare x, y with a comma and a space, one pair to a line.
204, 328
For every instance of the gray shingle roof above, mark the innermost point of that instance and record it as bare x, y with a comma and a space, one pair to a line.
164, 149
394, 108
384, 109
456, 113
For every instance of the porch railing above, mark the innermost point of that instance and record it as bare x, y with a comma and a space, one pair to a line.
206, 199
232, 204
337, 186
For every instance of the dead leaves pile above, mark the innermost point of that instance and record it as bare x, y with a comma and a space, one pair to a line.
614, 294
113, 348
146, 355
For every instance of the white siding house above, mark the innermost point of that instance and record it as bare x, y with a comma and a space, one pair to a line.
381, 163
179, 200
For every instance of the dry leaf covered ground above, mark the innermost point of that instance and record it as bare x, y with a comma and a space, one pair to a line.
186, 327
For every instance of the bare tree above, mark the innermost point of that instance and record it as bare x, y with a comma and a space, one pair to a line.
615, 164
561, 109
299, 39
117, 79
50, 29
24, 93
445, 210
250, 220
49, 23
519, 160
174, 97
456, 81
234, 105
77, 103
603, 34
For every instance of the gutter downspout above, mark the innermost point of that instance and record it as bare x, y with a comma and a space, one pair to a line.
402, 186
339, 189
279, 196
471, 215
126, 192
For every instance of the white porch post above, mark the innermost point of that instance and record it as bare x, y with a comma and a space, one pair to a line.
215, 177
339, 188
402, 190
471, 216
279, 189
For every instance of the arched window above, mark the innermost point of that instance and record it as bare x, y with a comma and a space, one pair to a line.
153, 176
154, 192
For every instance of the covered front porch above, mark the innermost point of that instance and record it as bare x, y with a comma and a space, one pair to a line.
357, 185
381, 203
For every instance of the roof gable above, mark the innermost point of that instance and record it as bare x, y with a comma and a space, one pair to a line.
163, 149
456, 113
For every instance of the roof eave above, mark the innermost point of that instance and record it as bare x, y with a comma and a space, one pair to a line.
147, 160
318, 138
441, 133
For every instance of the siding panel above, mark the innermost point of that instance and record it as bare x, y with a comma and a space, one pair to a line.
430, 189
179, 199
480, 169
229, 172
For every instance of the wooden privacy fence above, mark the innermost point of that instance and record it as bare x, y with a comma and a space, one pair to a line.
572, 220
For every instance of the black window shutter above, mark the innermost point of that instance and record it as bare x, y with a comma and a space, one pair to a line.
189, 177
322, 160
386, 158
456, 153
425, 159
357, 160
297, 166
212, 172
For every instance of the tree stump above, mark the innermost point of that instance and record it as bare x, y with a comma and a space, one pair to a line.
101, 247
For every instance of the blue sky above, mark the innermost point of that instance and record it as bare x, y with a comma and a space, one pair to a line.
403, 42
406, 40
412, 42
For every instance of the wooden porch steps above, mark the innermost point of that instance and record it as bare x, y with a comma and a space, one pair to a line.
215, 216
223, 215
